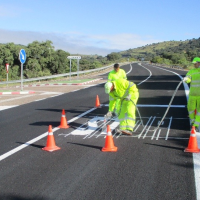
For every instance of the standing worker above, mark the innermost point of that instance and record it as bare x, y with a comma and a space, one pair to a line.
193, 77
127, 93
116, 73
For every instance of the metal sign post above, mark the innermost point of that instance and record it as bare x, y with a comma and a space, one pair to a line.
70, 68
74, 57
7, 67
22, 58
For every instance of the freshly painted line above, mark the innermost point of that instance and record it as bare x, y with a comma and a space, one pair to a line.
154, 105
137, 126
154, 134
11, 152
147, 77
149, 127
158, 134
7, 107
162, 106
144, 128
168, 128
112, 127
91, 127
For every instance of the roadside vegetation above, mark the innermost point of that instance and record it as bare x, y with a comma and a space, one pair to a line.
178, 53
44, 60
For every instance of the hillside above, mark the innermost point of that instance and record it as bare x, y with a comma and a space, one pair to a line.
168, 52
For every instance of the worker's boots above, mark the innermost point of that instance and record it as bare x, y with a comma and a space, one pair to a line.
124, 132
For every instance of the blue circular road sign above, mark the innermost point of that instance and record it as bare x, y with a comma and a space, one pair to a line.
22, 56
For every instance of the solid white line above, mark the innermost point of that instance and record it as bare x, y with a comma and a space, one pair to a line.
168, 128
41, 99
130, 69
154, 134
147, 77
9, 153
154, 105
184, 84
149, 127
158, 134
144, 128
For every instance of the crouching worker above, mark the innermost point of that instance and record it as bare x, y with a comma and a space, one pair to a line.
127, 93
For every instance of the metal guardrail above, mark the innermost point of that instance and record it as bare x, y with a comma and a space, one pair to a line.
56, 76
60, 75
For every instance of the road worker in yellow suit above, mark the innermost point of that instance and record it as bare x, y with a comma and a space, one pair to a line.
193, 77
127, 93
116, 74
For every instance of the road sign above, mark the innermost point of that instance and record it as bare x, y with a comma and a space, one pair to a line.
22, 56
7, 66
77, 58
74, 57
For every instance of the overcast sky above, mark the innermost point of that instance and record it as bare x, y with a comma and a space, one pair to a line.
98, 27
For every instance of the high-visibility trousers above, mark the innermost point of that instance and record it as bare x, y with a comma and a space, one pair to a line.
127, 114
194, 104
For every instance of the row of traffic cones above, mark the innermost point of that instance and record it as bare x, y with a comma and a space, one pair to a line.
51, 145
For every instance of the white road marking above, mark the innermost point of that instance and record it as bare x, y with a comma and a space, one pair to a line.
168, 128
7, 107
144, 127
149, 127
155, 106
147, 77
21, 97
47, 93
40, 99
13, 151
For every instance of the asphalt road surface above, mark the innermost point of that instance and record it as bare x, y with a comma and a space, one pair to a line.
150, 165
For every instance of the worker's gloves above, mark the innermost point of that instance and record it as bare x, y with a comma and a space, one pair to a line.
109, 114
185, 79
128, 98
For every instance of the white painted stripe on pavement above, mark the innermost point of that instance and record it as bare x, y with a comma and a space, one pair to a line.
147, 77
15, 150
168, 128
7, 107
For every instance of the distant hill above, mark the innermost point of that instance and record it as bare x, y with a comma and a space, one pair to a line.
168, 52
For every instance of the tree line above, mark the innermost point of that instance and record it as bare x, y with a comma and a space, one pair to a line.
43, 60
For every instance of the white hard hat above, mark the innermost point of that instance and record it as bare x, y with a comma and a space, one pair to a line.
108, 87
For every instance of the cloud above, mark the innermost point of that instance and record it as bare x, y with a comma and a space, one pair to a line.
75, 42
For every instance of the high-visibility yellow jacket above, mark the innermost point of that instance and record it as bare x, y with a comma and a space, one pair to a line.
113, 75
123, 88
194, 80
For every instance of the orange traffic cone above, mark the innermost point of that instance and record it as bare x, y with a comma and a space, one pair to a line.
109, 144
97, 104
50, 146
192, 145
63, 122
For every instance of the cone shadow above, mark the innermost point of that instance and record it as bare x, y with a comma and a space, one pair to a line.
164, 146
86, 145
33, 145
